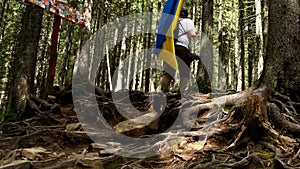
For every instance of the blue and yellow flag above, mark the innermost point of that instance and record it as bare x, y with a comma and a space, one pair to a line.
164, 46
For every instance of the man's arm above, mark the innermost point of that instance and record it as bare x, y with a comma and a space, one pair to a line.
192, 33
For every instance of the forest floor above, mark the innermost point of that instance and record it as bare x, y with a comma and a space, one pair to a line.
54, 138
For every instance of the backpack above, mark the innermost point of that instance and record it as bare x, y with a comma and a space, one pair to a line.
176, 31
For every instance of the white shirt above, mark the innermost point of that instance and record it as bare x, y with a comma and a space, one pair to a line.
185, 25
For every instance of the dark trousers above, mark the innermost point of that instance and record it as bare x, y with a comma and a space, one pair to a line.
183, 62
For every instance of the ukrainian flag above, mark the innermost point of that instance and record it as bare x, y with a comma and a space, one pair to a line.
164, 46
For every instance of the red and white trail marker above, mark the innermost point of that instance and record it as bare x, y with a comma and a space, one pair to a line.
60, 8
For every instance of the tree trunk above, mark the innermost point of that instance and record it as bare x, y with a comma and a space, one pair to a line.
63, 73
205, 72
281, 71
223, 61
85, 59
2, 8
207, 14
265, 29
241, 81
236, 64
22, 72
268, 108
250, 42
2, 59
259, 41
42, 64
251, 53
147, 44
232, 82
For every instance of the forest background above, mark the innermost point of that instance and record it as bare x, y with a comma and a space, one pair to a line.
256, 79
237, 30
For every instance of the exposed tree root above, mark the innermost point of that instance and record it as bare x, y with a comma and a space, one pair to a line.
252, 158
279, 119
251, 120
251, 130
254, 121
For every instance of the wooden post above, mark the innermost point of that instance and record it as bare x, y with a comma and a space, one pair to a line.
53, 55
61, 10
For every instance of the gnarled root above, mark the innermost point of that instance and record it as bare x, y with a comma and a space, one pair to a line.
254, 122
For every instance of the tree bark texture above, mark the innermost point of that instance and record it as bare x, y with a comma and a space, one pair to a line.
241, 80
22, 73
204, 72
281, 71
